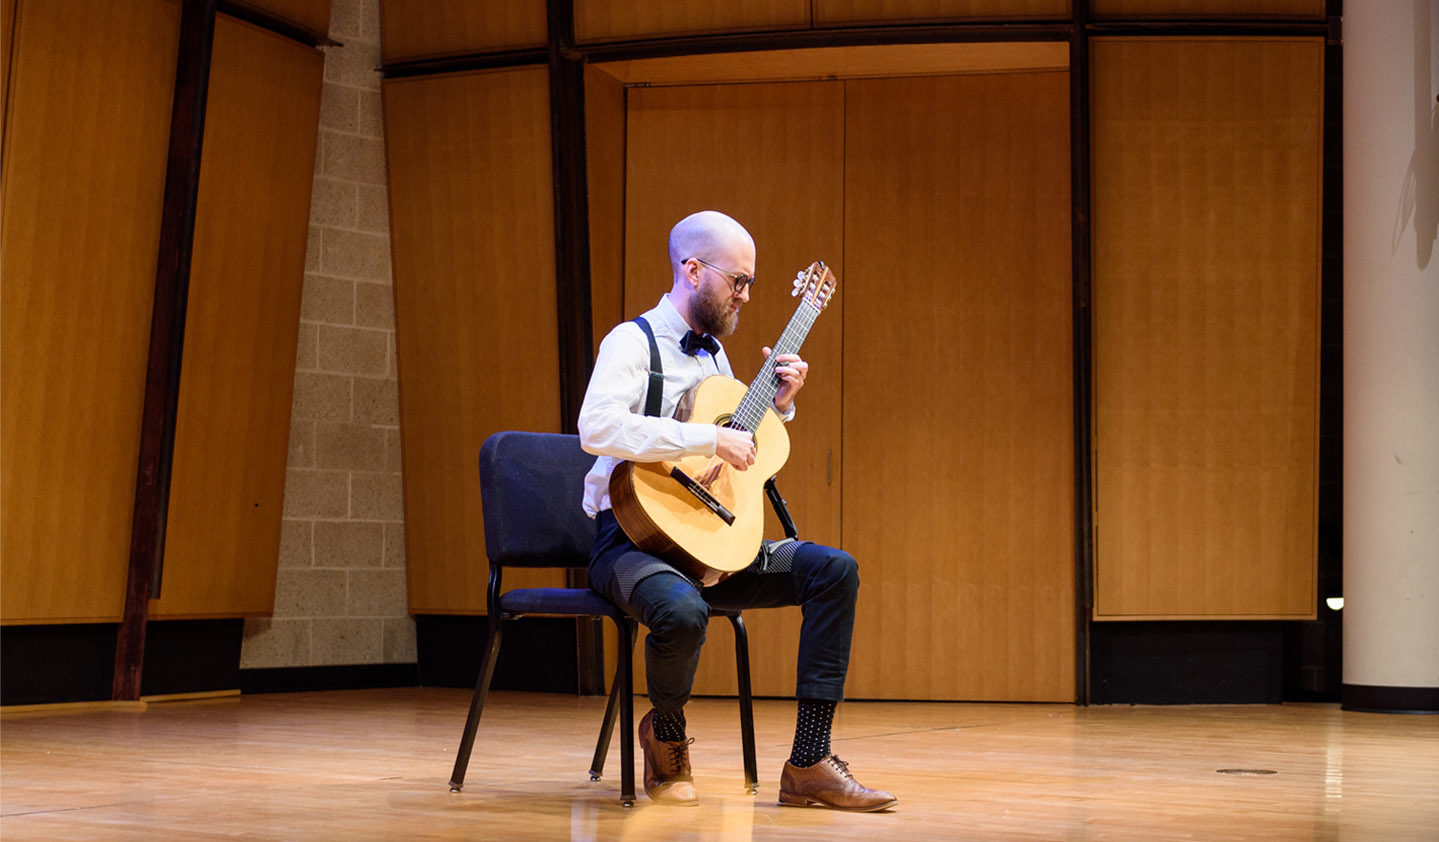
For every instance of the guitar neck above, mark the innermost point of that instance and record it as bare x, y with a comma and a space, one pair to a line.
760, 397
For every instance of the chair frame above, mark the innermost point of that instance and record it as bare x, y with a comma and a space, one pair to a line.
621, 696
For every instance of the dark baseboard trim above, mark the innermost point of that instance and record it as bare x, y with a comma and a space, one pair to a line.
191, 656
537, 653
53, 664
1200, 662
342, 677
1370, 698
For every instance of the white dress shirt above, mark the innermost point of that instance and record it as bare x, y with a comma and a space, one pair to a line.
612, 422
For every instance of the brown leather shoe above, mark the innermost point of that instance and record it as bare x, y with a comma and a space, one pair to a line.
828, 783
667, 767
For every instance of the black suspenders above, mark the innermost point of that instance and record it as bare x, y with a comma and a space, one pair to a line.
657, 373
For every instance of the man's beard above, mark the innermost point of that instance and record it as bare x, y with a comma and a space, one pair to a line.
712, 314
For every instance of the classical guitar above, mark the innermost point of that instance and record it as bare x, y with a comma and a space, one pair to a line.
699, 513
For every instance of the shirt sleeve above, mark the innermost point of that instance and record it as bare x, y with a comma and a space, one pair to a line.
612, 420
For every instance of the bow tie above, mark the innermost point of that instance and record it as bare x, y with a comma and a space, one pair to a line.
692, 342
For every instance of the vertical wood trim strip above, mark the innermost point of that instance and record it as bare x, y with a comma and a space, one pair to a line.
167, 334
572, 272
572, 224
1083, 347
9, 13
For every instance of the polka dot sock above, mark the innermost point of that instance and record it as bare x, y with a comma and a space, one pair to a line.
669, 725
811, 732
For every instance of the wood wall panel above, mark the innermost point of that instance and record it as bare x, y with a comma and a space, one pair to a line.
1206, 285
313, 15
414, 29
842, 12
958, 424
472, 227
620, 20
1207, 8
248, 266
771, 157
84, 172
1206, 289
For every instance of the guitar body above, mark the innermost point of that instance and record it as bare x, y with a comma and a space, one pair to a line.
663, 518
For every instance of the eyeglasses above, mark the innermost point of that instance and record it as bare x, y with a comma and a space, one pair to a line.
738, 280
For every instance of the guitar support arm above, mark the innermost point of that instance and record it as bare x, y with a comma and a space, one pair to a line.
780, 509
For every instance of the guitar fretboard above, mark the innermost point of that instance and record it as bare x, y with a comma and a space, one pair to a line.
762, 390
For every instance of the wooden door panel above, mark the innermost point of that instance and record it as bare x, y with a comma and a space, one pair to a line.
958, 484
770, 156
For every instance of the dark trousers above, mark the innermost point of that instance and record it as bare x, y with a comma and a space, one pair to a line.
823, 581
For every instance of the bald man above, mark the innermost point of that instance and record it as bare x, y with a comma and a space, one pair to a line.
712, 261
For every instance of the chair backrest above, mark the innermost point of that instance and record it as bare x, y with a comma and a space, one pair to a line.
530, 490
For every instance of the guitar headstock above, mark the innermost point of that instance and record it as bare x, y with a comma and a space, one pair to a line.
815, 284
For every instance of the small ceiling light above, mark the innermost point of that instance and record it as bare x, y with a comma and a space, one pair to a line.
1335, 603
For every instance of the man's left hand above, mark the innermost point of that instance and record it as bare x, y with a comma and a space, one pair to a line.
791, 370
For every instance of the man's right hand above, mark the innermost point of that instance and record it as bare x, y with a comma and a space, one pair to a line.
735, 447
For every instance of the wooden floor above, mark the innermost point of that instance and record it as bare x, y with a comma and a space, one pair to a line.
373, 764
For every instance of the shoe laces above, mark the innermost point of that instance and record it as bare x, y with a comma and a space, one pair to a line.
679, 753
840, 765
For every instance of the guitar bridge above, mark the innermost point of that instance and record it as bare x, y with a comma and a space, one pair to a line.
703, 495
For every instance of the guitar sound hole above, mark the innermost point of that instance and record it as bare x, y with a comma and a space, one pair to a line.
728, 421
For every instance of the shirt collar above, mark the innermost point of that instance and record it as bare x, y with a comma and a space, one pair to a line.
670, 320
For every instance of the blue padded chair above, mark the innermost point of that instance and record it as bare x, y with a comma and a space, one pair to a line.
530, 490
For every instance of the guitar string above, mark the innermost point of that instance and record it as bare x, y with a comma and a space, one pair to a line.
768, 382
752, 408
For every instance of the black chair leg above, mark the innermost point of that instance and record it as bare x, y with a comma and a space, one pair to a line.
746, 704
607, 728
627, 711
477, 707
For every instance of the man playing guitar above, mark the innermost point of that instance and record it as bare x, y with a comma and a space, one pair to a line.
712, 258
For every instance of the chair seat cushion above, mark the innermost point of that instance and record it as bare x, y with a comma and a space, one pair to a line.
581, 602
